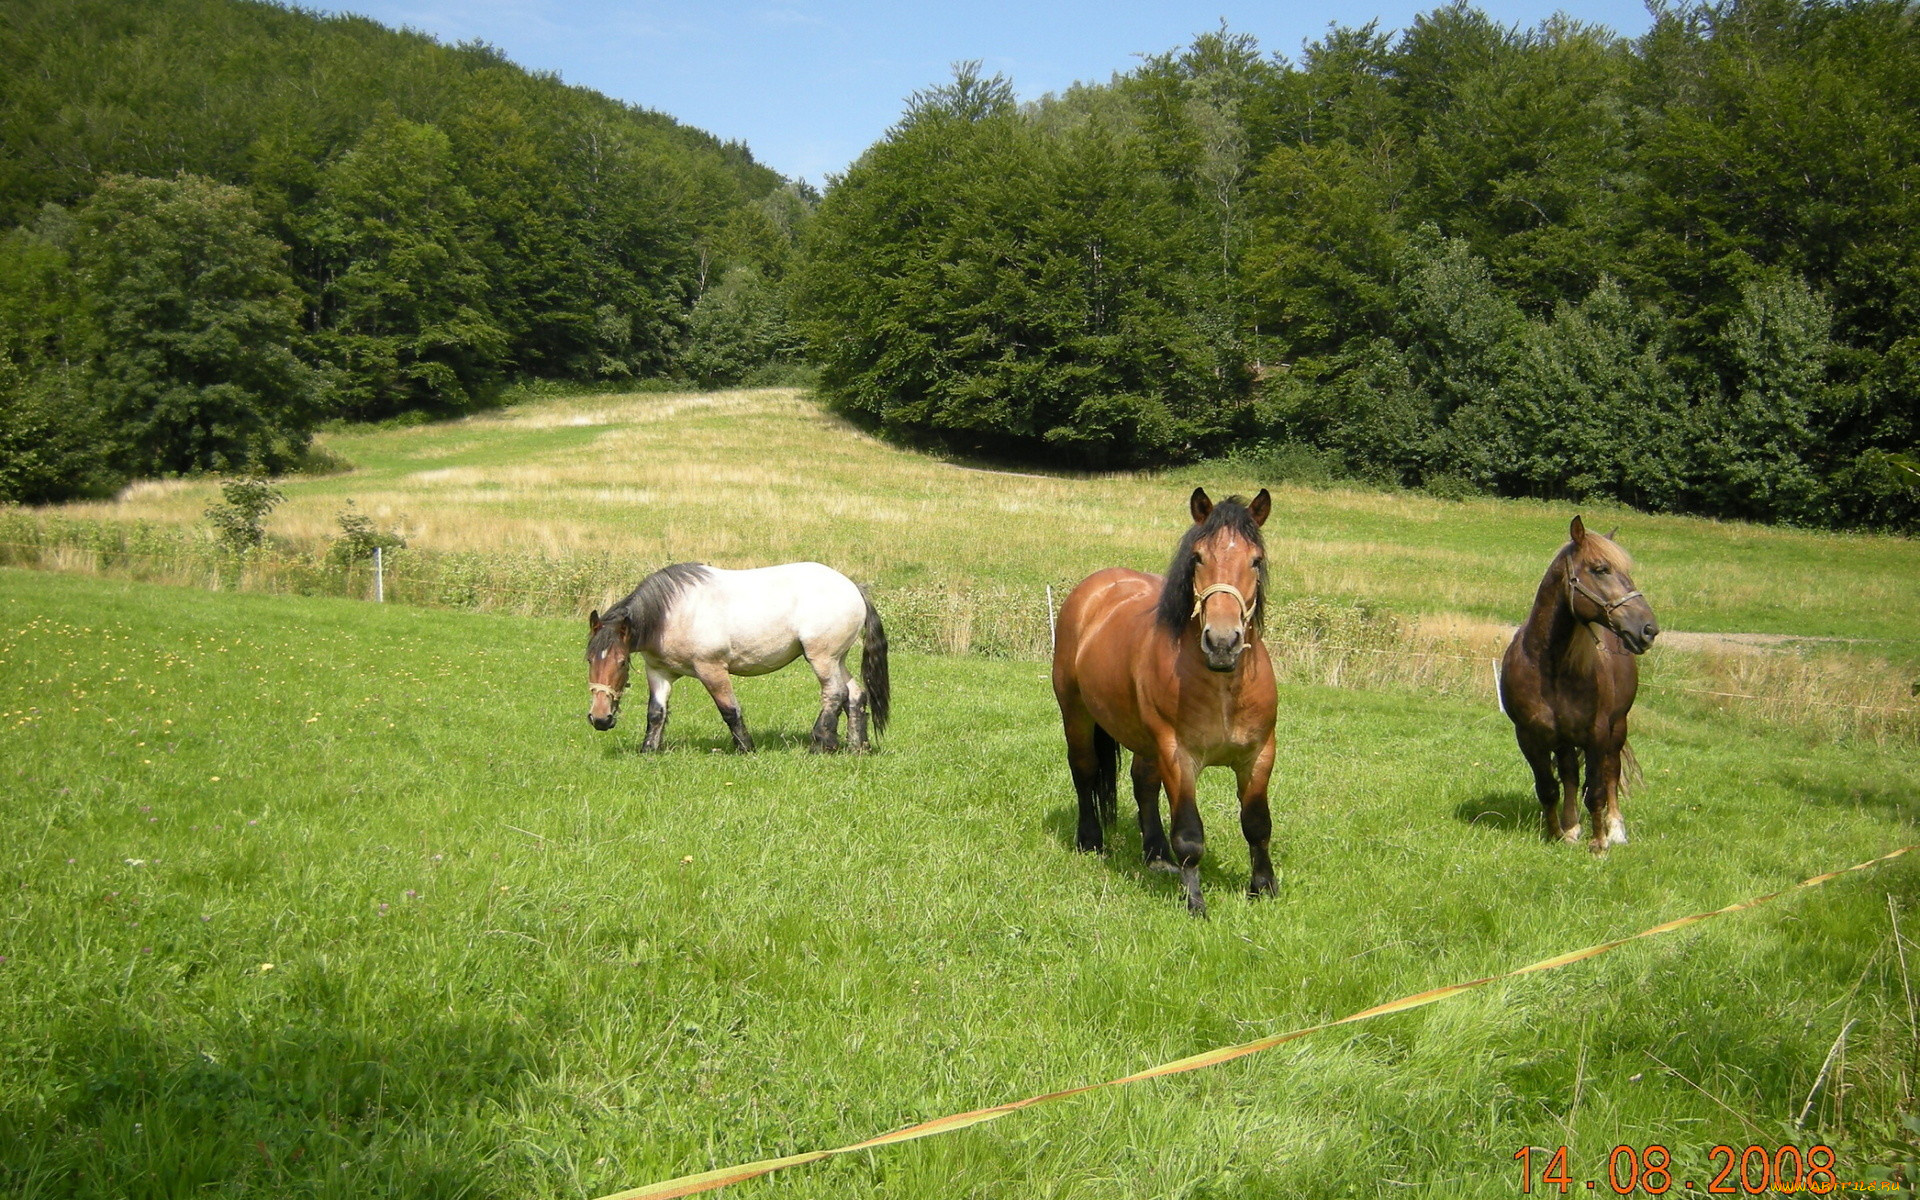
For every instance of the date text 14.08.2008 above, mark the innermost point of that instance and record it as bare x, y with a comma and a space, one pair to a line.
1754, 1171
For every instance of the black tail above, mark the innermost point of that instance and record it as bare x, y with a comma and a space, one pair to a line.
873, 669
1106, 774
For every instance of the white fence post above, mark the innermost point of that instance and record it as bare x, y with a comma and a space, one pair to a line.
379, 578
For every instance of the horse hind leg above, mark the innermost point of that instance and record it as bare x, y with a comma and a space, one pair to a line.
835, 686
1092, 757
856, 715
1146, 797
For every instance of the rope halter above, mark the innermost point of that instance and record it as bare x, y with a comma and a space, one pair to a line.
1200, 601
613, 693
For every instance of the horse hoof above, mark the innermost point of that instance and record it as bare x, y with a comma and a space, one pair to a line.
1263, 887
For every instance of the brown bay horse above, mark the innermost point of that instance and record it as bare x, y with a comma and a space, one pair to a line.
1568, 679
1174, 669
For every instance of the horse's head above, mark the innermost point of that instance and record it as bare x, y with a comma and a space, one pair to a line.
1600, 589
1219, 576
609, 658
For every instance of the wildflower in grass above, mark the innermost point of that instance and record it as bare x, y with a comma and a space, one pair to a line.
265, 967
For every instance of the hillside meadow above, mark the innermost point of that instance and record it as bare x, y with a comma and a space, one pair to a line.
559, 505
309, 896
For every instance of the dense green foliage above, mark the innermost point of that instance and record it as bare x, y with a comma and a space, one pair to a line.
1677, 271
223, 220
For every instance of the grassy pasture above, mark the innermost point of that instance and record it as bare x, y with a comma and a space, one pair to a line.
511, 957
752, 477
556, 506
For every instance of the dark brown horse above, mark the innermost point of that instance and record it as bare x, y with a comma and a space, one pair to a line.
1569, 678
1173, 669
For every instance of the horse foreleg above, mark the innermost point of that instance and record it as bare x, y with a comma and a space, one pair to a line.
1610, 829
659, 687
1603, 770
1256, 821
719, 685
1546, 789
1146, 798
834, 684
1568, 761
1189, 838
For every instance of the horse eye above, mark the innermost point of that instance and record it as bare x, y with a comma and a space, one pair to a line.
1258, 563
1602, 569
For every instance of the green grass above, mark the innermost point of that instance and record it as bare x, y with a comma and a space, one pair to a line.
512, 957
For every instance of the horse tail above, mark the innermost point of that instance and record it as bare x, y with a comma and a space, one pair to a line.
873, 668
1630, 776
1106, 773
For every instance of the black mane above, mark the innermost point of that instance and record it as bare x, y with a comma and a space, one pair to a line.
1176, 596
639, 617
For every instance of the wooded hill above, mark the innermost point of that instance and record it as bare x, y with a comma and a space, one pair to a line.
230, 219
1681, 271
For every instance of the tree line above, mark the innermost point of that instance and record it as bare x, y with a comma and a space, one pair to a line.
1680, 271
225, 221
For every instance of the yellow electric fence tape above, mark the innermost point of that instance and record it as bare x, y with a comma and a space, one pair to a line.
707, 1181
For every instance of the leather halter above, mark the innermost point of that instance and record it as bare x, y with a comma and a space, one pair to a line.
1606, 608
1200, 601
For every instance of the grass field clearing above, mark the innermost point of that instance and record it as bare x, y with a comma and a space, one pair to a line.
511, 957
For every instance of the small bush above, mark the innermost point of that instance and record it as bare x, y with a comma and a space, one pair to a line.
239, 521
359, 538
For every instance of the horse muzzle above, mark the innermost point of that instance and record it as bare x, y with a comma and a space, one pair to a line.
1222, 651
1638, 637
606, 720
1222, 648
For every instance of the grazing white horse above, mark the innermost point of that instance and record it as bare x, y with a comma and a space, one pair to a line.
713, 624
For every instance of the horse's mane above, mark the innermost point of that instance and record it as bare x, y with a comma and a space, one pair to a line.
1608, 550
1176, 596
645, 608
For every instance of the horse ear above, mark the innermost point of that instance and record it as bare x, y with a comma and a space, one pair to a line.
593, 621
1260, 506
1611, 532
1577, 531
1199, 505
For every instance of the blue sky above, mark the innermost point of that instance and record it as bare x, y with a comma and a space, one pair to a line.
809, 84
